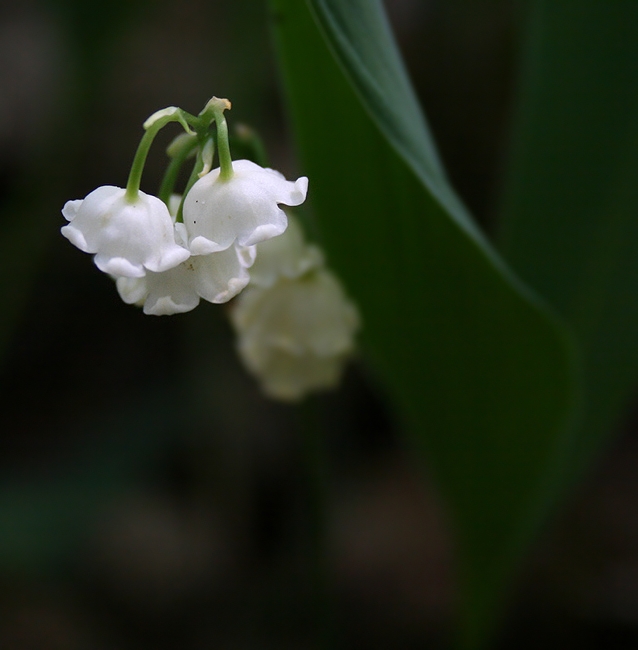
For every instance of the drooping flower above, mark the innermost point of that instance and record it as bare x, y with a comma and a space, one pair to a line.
296, 334
127, 238
216, 277
243, 209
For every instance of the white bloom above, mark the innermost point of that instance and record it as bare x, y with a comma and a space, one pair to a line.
296, 334
286, 256
242, 209
127, 238
217, 277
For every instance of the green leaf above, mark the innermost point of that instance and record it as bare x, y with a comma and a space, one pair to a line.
480, 373
570, 213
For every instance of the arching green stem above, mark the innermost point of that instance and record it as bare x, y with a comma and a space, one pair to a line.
215, 108
225, 161
153, 126
193, 178
181, 148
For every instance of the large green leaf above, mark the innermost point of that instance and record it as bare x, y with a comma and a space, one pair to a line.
570, 214
480, 373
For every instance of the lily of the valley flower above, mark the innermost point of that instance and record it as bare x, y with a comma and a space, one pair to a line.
128, 238
286, 256
296, 334
167, 264
217, 277
295, 324
243, 208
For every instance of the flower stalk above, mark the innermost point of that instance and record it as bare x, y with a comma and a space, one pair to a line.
216, 107
153, 125
179, 151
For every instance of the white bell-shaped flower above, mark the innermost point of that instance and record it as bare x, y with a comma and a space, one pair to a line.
128, 238
290, 377
285, 256
242, 209
295, 335
217, 277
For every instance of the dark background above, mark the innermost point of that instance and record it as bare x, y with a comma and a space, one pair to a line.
150, 497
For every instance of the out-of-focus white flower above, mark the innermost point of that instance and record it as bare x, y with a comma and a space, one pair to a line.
128, 238
243, 209
296, 334
295, 325
285, 256
216, 277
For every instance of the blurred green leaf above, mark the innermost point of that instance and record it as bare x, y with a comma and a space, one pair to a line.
482, 375
570, 223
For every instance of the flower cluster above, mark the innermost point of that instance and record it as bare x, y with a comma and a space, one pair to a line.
224, 235
167, 262
295, 324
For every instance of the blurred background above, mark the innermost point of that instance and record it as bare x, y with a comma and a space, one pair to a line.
150, 497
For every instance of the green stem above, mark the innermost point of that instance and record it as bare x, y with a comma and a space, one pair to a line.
135, 175
152, 127
174, 166
214, 110
223, 147
192, 179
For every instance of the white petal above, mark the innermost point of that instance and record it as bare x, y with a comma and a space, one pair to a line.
166, 306
119, 266
290, 377
285, 256
220, 276
243, 209
296, 334
125, 236
169, 257
265, 232
133, 291
247, 255
75, 237
202, 246
71, 208
217, 277
310, 313
171, 292
298, 193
